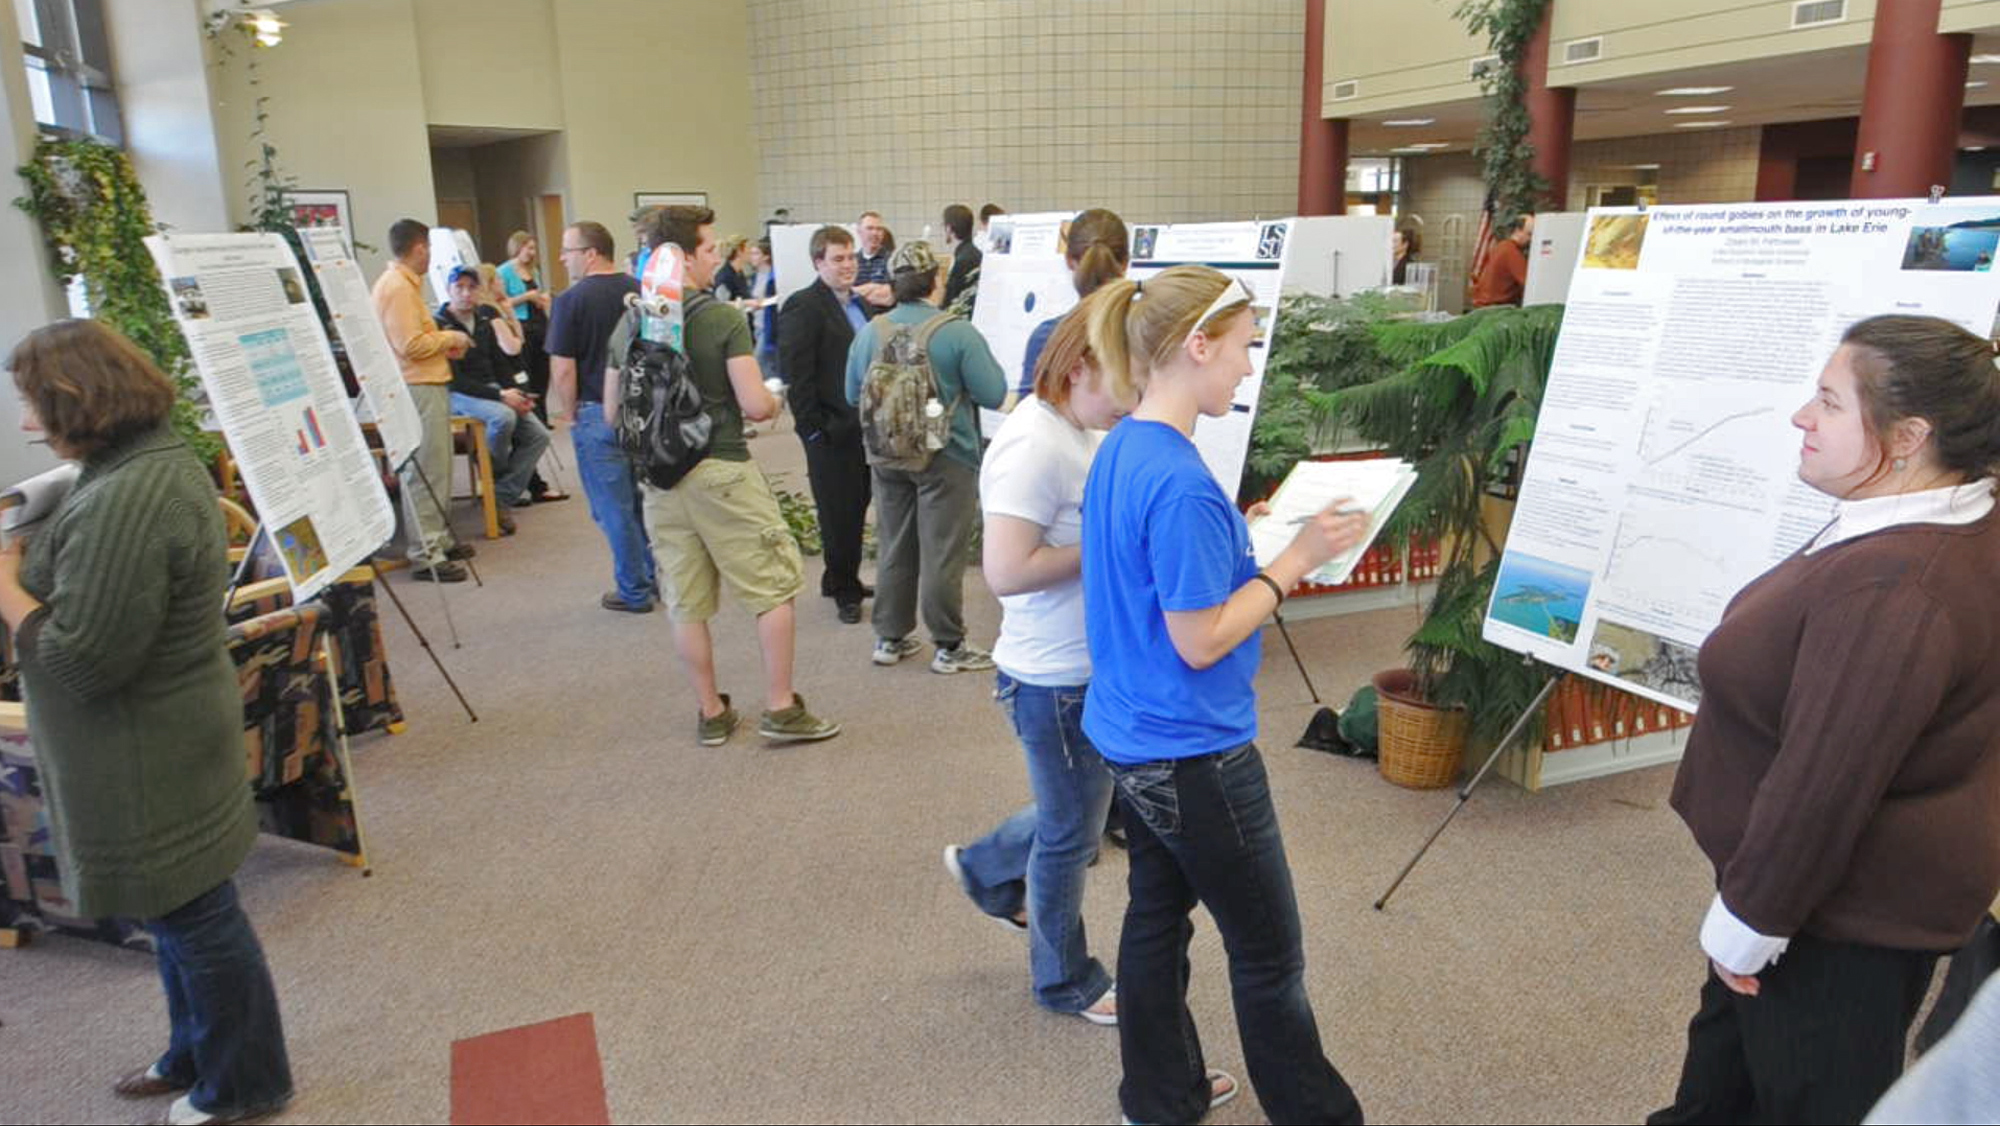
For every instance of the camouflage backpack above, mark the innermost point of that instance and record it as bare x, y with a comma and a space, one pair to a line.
903, 423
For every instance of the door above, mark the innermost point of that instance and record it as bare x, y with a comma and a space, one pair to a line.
460, 214
549, 230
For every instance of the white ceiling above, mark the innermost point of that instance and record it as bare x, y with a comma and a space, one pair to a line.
1824, 84
473, 136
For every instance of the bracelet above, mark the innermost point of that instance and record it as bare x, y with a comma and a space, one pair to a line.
1273, 584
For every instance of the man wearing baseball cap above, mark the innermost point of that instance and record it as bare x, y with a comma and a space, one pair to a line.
489, 383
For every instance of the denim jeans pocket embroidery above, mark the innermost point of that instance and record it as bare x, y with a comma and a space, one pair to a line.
1150, 789
1005, 691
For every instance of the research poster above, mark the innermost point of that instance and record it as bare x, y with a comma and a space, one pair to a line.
352, 306
241, 301
1023, 281
1255, 253
1663, 475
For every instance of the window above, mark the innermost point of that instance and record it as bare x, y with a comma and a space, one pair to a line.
69, 67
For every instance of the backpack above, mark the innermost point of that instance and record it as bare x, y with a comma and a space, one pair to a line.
663, 425
903, 425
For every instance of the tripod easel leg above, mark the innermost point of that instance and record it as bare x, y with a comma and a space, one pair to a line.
1465, 792
1303, 674
422, 640
330, 669
444, 513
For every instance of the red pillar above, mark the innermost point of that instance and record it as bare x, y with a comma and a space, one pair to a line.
1911, 105
1322, 143
1551, 119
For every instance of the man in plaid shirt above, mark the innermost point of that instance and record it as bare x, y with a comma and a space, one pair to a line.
871, 279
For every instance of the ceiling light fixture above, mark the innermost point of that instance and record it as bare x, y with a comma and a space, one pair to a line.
1986, 58
1410, 122
1694, 91
1699, 109
1974, 85
1700, 124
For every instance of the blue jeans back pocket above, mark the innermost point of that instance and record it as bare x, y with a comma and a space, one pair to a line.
1150, 790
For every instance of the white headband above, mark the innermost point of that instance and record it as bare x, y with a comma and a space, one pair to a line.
1231, 294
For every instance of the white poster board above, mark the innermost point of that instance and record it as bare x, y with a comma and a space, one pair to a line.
1023, 281
1663, 475
352, 305
450, 249
791, 256
1340, 255
241, 301
1552, 255
1255, 253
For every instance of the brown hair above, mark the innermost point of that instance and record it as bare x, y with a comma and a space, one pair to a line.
516, 241
1097, 250
913, 285
958, 217
594, 236
826, 236
1136, 327
1929, 368
1413, 241
92, 388
677, 223
1068, 346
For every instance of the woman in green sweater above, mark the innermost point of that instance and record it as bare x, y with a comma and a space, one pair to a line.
115, 604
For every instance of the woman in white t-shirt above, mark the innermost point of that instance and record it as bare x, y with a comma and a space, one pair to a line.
1028, 873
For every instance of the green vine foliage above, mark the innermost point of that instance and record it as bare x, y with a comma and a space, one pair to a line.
1508, 26
1460, 405
95, 219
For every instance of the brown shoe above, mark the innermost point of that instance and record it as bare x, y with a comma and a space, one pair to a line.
143, 1084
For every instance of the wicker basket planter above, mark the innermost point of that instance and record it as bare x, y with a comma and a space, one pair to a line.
1421, 745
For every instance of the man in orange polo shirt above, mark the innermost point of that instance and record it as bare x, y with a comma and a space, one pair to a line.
1505, 276
424, 352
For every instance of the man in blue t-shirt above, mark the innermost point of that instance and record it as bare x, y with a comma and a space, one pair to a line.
580, 327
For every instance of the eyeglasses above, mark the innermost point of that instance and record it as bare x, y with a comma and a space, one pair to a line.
1234, 293
574, 249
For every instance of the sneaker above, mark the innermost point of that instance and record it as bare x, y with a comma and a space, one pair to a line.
796, 725
888, 652
445, 572
713, 731
1222, 1087
956, 867
611, 601
960, 658
850, 612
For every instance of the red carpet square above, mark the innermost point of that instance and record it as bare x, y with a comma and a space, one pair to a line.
538, 1073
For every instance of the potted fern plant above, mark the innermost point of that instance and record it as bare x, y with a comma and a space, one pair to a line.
1461, 406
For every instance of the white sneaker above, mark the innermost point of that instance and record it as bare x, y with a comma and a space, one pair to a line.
961, 658
888, 652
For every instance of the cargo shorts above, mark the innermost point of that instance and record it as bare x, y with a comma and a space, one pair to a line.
721, 524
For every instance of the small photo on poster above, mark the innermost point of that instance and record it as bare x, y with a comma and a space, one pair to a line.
1539, 595
299, 540
294, 286
1144, 239
1262, 315
1963, 239
1647, 660
1000, 234
1615, 242
189, 300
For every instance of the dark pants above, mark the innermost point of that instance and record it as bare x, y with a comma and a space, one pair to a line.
227, 1045
1969, 969
841, 486
1822, 1040
1204, 830
923, 524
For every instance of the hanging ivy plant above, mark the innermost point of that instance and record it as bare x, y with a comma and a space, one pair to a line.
1508, 26
95, 220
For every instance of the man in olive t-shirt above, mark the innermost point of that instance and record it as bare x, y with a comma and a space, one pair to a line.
720, 524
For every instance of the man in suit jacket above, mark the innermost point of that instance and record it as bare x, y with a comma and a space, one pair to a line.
815, 328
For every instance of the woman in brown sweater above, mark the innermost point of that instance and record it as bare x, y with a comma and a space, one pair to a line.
1843, 774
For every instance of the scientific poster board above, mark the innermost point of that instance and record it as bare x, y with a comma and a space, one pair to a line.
1255, 253
1023, 281
352, 306
1552, 255
1340, 255
1663, 475
241, 301
450, 249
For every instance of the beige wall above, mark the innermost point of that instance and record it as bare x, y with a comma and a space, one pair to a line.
613, 55
159, 60
1161, 111
489, 62
346, 111
452, 174
1667, 35
1712, 166
1969, 15
1410, 53
510, 174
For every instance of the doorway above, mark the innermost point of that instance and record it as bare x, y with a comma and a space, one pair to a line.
549, 224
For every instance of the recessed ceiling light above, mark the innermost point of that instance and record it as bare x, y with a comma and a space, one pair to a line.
1694, 91
1654, 167
1974, 85
1986, 58
1699, 124
1410, 122
1699, 109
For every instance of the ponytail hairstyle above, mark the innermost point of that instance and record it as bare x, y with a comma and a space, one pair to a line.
1135, 327
1929, 368
1097, 249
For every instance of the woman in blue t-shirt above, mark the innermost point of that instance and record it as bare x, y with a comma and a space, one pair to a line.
1173, 599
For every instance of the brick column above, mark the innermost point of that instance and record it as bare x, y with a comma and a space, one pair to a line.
1322, 143
1551, 118
1911, 105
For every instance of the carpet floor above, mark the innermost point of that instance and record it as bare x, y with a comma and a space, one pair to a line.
766, 934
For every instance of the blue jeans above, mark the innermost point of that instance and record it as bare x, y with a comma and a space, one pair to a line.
1038, 857
1204, 830
227, 1045
613, 492
514, 440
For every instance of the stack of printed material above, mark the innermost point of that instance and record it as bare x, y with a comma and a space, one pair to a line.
1375, 486
36, 497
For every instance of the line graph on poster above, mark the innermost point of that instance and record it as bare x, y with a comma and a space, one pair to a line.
1673, 567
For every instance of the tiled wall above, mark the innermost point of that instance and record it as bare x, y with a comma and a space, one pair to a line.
1165, 110
1447, 192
